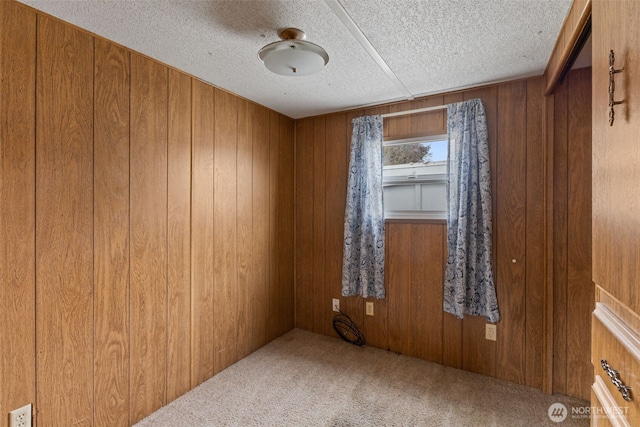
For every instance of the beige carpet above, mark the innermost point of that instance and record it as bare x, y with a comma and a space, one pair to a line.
306, 379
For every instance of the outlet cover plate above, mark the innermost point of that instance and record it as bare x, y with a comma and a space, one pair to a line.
490, 332
20, 417
369, 309
336, 304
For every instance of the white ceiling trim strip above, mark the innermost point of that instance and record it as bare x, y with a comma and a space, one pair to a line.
342, 14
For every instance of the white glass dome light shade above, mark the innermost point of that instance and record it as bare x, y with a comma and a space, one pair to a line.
293, 56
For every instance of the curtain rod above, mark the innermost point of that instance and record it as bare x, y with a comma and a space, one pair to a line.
419, 110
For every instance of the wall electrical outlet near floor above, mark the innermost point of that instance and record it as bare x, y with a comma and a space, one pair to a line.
336, 304
490, 332
20, 417
369, 309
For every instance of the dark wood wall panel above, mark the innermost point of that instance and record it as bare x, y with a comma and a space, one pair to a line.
148, 186
399, 279
304, 225
225, 304
244, 257
111, 234
117, 266
320, 314
510, 217
427, 272
17, 206
574, 291
286, 225
202, 237
336, 192
410, 320
274, 146
560, 215
179, 236
261, 232
535, 222
579, 284
64, 224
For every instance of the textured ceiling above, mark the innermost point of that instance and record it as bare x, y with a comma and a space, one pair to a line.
431, 46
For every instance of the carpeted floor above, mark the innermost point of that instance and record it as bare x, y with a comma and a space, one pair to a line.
306, 379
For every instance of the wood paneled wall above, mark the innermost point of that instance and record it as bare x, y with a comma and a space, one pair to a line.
410, 320
146, 223
573, 291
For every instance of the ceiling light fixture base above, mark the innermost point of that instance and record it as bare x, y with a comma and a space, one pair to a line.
293, 55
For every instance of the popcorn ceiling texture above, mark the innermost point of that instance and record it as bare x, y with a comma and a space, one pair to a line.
432, 46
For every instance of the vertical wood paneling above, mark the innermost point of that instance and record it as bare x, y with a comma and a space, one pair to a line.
245, 227
17, 206
274, 293
511, 230
535, 236
572, 291
396, 127
148, 288
516, 129
179, 236
427, 274
434, 121
261, 232
304, 224
224, 229
336, 195
579, 284
111, 235
64, 224
560, 207
321, 304
285, 237
107, 224
547, 344
202, 252
399, 286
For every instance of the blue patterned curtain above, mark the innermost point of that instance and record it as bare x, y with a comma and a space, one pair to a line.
363, 256
469, 287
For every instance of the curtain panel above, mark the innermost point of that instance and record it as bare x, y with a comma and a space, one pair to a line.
469, 286
363, 256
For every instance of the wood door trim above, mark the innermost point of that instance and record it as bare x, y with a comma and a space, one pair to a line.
571, 49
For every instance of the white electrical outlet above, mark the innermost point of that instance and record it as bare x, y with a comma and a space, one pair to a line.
336, 304
20, 417
368, 309
490, 332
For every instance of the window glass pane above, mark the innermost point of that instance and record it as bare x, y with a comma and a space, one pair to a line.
401, 197
414, 178
434, 196
403, 154
439, 150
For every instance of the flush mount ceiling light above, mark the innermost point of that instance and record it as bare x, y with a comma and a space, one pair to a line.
293, 56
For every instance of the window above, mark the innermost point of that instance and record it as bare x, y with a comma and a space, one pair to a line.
414, 178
